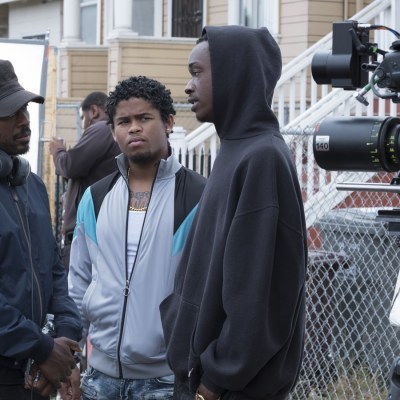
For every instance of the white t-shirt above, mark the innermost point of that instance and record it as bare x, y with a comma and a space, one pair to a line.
135, 224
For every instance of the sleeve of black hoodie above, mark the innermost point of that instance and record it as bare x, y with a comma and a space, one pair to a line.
263, 289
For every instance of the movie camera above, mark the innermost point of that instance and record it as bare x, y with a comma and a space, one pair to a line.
360, 143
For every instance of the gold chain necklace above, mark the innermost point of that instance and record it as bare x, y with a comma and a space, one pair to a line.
132, 208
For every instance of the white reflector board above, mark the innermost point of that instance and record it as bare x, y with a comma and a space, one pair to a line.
29, 60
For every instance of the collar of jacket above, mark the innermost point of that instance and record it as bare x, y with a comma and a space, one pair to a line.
166, 169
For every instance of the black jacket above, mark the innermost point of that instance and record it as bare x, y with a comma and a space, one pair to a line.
236, 318
33, 281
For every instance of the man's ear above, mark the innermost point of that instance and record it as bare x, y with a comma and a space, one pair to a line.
113, 133
95, 112
169, 124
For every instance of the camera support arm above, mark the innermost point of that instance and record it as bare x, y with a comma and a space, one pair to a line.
369, 187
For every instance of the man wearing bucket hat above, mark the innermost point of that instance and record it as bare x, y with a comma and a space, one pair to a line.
33, 281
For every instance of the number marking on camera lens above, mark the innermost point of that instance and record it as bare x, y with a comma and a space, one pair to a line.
322, 143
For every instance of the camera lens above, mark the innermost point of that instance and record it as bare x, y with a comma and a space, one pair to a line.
358, 144
319, 68
327, 68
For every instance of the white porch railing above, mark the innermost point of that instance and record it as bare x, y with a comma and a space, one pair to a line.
299, 104
201, 145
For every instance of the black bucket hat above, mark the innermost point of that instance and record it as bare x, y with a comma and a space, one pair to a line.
12, 95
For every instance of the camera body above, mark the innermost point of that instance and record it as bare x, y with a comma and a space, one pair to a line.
353, 56
343, 66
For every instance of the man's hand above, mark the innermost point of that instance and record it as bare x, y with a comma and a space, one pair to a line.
207, 394
37, 382
58, 367
71, 389
55, 144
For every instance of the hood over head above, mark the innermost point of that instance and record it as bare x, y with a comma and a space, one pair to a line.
246, 64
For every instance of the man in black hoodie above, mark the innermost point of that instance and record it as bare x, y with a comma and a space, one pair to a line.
234, 324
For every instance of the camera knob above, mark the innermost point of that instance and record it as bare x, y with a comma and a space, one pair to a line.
395, 45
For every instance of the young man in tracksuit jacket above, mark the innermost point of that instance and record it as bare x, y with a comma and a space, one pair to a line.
234, 325
33, 281
131, 227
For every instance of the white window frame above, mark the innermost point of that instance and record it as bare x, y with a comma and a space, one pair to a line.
158, 18
272, 23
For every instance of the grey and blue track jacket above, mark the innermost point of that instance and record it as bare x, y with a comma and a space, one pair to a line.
124, 324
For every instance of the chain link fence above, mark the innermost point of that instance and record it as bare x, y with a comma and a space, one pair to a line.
350, 345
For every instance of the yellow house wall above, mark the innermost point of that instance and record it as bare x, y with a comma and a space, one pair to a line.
83, 70
304, 22
164, 60
217, 12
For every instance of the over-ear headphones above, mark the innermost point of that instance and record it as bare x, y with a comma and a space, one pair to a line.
16, 170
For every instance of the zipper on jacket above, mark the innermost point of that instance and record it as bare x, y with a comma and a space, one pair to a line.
126, 290
25, 229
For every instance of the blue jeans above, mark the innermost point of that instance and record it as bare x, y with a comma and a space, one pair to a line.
98, 386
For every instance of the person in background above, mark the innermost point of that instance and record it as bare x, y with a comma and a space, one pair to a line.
91, 159
234, 324
131, 227
33, 281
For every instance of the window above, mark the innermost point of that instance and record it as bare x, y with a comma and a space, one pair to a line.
143, 17
257, 13
89, 9
187, 18
39, 36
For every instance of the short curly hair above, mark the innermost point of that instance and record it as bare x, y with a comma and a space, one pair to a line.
141, 87
94, 99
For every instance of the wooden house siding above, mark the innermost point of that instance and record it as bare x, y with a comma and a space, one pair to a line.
165, 61
293, 28
83, 70
217, 12
304, 22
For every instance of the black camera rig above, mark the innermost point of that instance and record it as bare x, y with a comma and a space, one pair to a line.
362, 143
353, 56
359, 143
365, 143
